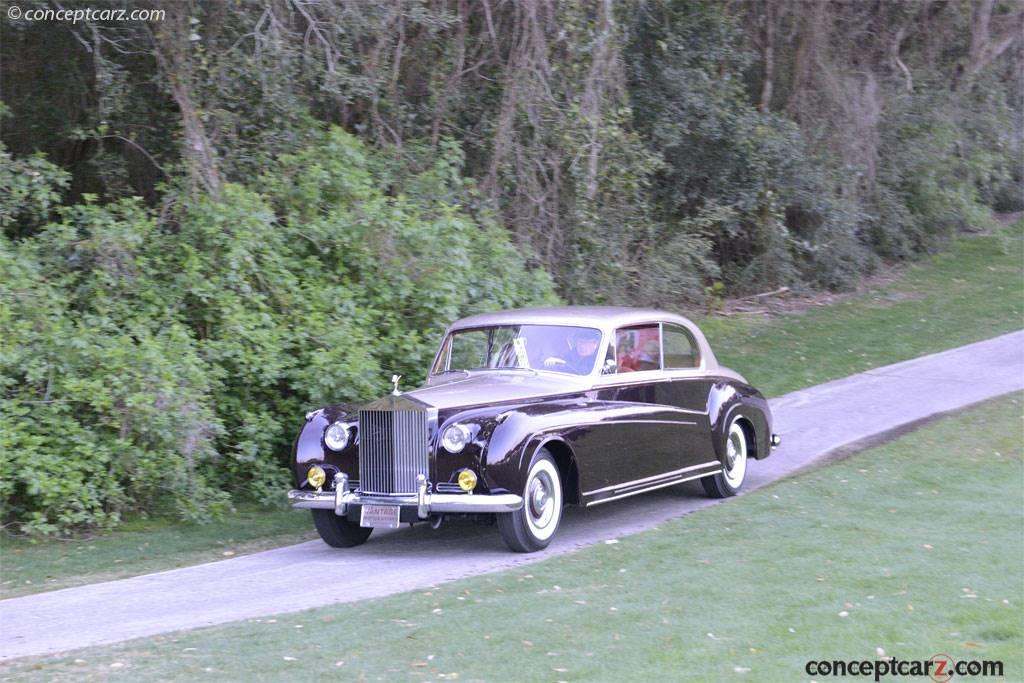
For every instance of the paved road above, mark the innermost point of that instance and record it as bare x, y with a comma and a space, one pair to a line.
815, 423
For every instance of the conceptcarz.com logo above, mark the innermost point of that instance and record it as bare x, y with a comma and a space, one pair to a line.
939, 668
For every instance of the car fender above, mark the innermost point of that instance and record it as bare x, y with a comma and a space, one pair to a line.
308, 448
520, 433
728, 400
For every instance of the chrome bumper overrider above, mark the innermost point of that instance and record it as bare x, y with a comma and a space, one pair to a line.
424, 502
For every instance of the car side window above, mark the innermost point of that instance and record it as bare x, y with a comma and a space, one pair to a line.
680, 348
638, 348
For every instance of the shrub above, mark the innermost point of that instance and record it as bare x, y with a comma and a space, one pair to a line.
164, 368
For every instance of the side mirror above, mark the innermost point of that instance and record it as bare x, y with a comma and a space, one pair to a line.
609, 367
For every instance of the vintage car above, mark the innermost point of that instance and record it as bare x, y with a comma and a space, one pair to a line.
526, 411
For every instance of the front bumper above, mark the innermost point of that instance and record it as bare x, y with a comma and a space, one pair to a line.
424, 502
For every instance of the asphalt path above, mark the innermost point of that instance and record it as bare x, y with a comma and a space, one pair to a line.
828, 420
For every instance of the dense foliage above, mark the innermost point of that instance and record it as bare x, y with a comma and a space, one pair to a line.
215, 220
162, 368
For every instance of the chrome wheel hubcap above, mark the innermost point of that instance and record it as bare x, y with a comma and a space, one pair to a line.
540, 507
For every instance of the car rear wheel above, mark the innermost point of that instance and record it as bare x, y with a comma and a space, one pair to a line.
338, 532
728, 482
532, 527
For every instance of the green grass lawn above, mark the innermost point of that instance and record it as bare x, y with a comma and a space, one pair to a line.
143, 546
907, 550
974, 291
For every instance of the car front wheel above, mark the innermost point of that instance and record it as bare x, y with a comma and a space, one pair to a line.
338, 532
532, 527
728, 482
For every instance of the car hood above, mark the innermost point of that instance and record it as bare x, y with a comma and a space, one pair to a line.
475, 388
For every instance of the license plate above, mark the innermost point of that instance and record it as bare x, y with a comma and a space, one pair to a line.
379, 516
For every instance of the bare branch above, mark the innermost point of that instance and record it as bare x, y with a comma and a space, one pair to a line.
138, 147
895, 53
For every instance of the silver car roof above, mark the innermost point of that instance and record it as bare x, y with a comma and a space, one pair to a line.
605, 318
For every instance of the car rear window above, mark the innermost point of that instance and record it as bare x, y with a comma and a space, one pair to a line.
680, 349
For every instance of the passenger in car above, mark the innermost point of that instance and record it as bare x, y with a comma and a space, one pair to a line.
626, 360
648, 358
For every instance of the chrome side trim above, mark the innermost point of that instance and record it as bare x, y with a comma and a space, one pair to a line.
425, 504
596, 423
666, 422
633, 379
629, 379
656, 477
652, 488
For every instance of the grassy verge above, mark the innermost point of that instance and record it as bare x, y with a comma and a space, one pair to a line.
907, 550
974, 291
142, 546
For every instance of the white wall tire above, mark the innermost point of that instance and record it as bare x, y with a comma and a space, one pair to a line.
532, 527
729, 481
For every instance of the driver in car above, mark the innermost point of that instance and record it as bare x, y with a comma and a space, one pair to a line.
580, 354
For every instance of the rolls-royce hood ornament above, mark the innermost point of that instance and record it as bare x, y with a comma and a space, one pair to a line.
394, 380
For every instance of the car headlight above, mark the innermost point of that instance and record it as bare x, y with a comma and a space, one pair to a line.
455, 438
336, 437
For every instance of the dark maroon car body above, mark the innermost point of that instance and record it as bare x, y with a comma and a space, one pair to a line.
611, 432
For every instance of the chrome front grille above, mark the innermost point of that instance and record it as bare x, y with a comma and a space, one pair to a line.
392, 450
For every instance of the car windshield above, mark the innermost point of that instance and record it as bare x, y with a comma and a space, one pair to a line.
557, 348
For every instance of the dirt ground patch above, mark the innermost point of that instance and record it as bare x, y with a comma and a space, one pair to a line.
1010, 218
785, 300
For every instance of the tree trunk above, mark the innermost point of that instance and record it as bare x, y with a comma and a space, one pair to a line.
171, 47
990, 37
768, 51
806, 55
593, 94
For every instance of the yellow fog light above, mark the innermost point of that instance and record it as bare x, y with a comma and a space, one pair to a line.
467, 480
316, 476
